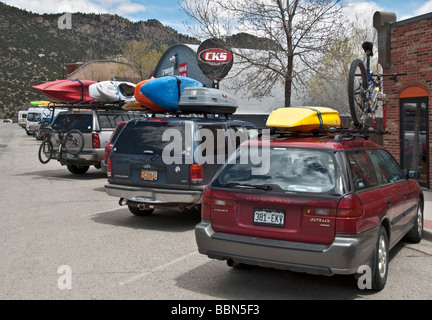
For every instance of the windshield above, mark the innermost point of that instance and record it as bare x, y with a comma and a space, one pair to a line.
33, 116
289, 169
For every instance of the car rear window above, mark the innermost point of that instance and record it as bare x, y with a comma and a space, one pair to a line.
139, 137
289, 169
80, 121
110, 120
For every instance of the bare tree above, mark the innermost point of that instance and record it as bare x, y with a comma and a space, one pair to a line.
142, 56
302, 31
328, 87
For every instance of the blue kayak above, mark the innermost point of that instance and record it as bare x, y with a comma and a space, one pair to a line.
166, 91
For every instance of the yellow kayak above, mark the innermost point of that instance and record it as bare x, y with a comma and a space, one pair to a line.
303, 119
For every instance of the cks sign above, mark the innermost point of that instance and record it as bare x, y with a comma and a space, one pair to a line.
214, 60
215, 56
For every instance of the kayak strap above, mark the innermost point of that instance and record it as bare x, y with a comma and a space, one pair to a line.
82, 88
320, 119
178, 86
117, 89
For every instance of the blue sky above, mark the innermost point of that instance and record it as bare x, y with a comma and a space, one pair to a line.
168, 12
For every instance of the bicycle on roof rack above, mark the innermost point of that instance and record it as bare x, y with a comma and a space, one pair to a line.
365, 89
71, 142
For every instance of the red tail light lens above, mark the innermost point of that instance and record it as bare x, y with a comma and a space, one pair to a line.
207, 196
349, 207
196, 174
95, 140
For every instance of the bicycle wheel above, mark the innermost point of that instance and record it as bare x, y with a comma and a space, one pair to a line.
74, 142
357, 86
45, 151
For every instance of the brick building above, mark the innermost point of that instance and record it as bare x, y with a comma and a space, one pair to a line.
406, 46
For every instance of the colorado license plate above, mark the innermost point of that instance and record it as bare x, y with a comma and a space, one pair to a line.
269, 217
149, 174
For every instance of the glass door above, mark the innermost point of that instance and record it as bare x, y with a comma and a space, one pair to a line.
414, 137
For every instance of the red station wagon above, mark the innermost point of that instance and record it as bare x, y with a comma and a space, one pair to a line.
327, 205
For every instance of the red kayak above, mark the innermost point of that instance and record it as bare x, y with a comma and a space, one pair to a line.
67, 90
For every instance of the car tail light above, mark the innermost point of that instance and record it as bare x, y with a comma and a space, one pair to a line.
109, 168
206, 203
196, 174
210, 201
349, 207
95, 140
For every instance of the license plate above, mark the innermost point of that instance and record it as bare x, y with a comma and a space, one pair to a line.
269, 217
149, 174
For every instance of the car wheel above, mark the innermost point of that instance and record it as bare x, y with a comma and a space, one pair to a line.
381, 260
139, 212
416, 233
77, 169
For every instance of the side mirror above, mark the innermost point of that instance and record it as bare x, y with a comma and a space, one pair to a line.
413, 174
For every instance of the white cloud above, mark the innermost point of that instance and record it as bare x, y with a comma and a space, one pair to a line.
120, 7
426, 8
362, 12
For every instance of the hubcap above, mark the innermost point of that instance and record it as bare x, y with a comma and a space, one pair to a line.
419, 221
382, 257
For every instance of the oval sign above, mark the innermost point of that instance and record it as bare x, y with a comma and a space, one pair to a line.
214, 59
215, 56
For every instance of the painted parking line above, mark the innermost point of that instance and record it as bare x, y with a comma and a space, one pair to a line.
158, 268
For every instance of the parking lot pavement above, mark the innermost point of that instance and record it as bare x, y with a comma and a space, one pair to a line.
428, 211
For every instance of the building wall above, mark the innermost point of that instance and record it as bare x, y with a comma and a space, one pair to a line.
105, 70
411, 52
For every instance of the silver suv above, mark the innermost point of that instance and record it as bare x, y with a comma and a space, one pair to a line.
96, 126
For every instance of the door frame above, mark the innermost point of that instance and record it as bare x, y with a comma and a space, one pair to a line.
425, 100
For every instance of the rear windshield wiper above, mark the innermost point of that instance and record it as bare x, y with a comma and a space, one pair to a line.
251, 185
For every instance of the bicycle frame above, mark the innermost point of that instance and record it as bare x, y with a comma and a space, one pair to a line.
364, 96
374, 86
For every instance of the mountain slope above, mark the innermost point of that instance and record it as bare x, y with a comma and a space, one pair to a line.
33, 49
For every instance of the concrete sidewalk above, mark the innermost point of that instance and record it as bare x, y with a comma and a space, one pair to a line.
428, 210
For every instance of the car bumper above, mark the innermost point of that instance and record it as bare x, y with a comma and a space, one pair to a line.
154, 196
343, 256
92, 157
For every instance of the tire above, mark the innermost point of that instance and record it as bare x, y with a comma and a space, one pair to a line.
74, 142
45, 151
416, 233
357, 85
380, 261
77, 169
140, 213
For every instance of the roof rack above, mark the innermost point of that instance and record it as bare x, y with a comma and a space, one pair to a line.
85, 105
361, 133
339, 133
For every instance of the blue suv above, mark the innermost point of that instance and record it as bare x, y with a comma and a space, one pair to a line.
166, 162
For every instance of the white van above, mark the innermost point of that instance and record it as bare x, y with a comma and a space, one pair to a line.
36, 115
22, 115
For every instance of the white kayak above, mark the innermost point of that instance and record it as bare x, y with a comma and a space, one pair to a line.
112, 91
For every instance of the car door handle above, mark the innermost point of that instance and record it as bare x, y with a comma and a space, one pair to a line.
388, 203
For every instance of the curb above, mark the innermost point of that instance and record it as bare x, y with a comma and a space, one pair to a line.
427, 225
